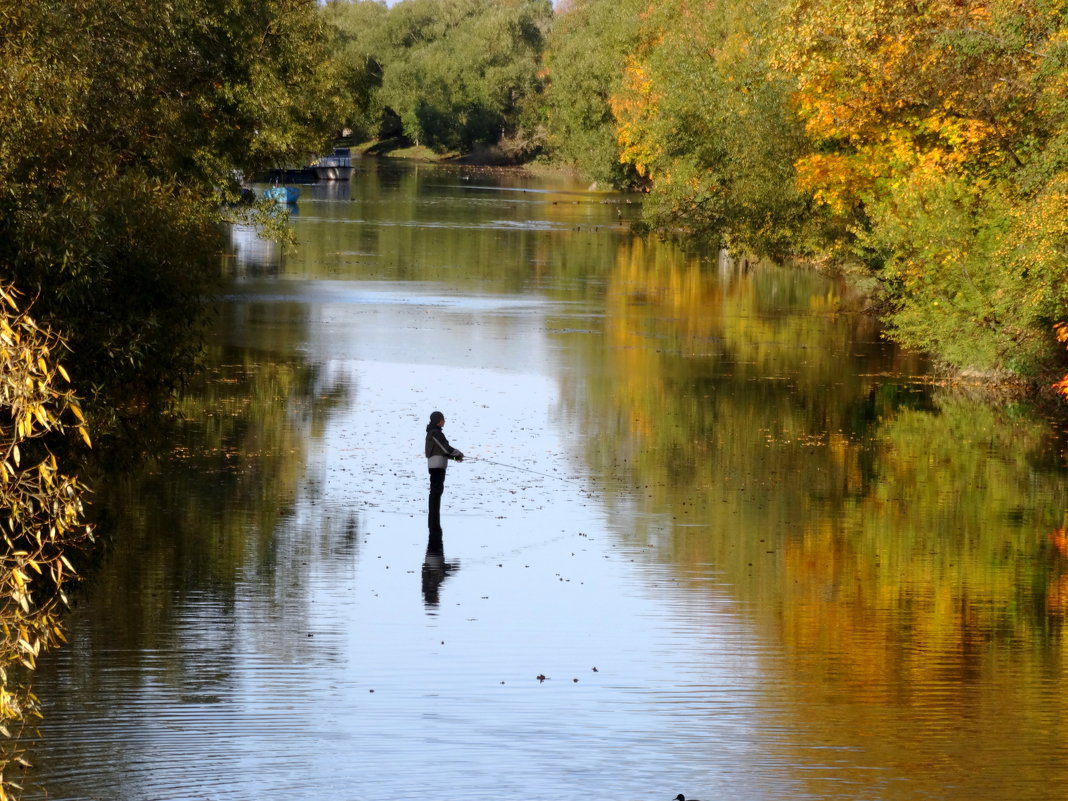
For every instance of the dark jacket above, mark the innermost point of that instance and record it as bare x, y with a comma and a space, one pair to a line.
438, 449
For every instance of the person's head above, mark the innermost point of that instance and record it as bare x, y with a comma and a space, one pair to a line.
437, 419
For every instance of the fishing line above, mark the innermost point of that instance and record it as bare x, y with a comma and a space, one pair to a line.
523, 469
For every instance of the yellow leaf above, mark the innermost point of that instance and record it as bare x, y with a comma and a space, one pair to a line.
63, 373
85, 435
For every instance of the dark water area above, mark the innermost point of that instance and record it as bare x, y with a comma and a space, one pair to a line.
714, 535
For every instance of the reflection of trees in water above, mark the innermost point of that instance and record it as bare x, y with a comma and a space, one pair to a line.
463, 225
221, 528
215, 530
251, 253
894, 537
702, 370
207, 515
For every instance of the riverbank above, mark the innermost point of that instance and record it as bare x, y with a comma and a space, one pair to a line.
486, 157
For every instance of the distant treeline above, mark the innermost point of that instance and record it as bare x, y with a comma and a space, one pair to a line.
922, 144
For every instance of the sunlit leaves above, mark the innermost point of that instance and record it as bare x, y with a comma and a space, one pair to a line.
41, 512
889, 88
937, 133
702, 113
927, 140
589, 45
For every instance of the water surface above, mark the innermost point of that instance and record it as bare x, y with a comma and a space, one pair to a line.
715, 536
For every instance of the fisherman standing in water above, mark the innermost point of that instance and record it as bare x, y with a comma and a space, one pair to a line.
438, 453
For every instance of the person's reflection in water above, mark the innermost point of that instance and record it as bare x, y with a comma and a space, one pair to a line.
435, 569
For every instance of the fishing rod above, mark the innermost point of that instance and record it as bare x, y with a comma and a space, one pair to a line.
522, 469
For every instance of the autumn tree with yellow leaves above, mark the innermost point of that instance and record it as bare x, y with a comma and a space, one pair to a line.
937, 134
41, 506
703, 117
924, 143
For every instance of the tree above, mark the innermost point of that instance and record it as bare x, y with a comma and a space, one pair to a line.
457, 73
680, 97
359, 52
585, 59
922, 142
125, 124
41, 513
937, 132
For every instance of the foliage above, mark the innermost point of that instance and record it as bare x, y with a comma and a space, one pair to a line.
41, 513
923, 141
702, 115
893, 88
456, 73
585, 58
125, 125
358, 57
953, 288
937, 132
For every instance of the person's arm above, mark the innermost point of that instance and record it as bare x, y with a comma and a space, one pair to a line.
443, 443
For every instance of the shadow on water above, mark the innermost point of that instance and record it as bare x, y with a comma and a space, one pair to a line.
435, 570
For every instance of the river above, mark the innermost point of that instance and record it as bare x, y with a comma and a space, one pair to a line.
714, 535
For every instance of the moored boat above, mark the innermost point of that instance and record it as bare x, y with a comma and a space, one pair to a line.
282, 194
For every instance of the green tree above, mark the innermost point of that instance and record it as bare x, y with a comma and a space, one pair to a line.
585, 60
359, 52
125, 124
125, 127
457, 73
704, 116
